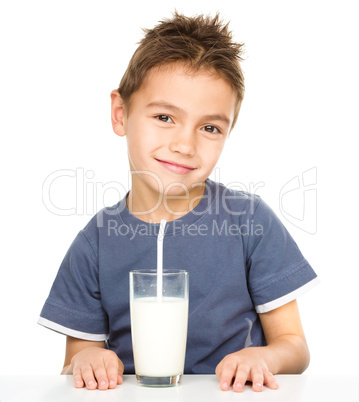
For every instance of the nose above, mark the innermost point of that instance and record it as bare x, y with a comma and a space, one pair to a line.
183, 142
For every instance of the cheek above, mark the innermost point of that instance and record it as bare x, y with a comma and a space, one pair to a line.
211, 152
138, 139
141, 131
136, 150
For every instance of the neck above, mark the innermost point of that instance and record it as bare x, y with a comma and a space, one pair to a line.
150, 206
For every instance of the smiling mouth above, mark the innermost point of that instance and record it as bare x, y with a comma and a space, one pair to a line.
175, 167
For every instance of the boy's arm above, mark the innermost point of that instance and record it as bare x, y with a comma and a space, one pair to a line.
286, 352
91, 364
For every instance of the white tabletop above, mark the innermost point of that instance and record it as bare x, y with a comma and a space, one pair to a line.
293, 388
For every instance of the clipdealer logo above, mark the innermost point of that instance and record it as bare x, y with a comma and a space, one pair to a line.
297, 198
298, 201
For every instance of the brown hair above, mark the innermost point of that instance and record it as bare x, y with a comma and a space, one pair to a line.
199, 42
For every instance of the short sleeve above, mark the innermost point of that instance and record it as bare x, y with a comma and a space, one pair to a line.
277, 271
74, 304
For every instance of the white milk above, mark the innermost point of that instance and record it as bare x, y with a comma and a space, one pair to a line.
159, 335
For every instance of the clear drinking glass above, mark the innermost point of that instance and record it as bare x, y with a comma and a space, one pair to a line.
159, 326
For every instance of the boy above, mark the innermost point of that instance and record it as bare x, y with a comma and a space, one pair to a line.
176, 104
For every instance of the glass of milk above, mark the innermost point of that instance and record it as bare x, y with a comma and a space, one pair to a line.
159, 326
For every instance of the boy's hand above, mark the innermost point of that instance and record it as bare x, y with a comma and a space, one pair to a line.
95, 366
246, 365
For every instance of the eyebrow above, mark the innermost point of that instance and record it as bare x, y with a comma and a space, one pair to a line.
176, 109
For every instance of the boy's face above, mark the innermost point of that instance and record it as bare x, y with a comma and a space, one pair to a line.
176, 128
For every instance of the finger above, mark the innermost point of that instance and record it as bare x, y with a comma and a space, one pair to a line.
227, 373
112, 369
242, 376
121, 369
270, 381
100, 375
88, 377
218, 370
257, 380
78, 381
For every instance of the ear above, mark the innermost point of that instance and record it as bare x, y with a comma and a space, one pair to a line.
117, 113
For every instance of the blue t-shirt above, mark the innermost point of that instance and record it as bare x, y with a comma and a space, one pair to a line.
240, 258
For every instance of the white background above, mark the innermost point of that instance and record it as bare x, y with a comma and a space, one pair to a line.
60, 61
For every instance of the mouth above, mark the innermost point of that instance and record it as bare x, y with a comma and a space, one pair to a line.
175, 167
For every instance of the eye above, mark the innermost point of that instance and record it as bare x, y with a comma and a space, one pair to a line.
164, 118
211, 129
